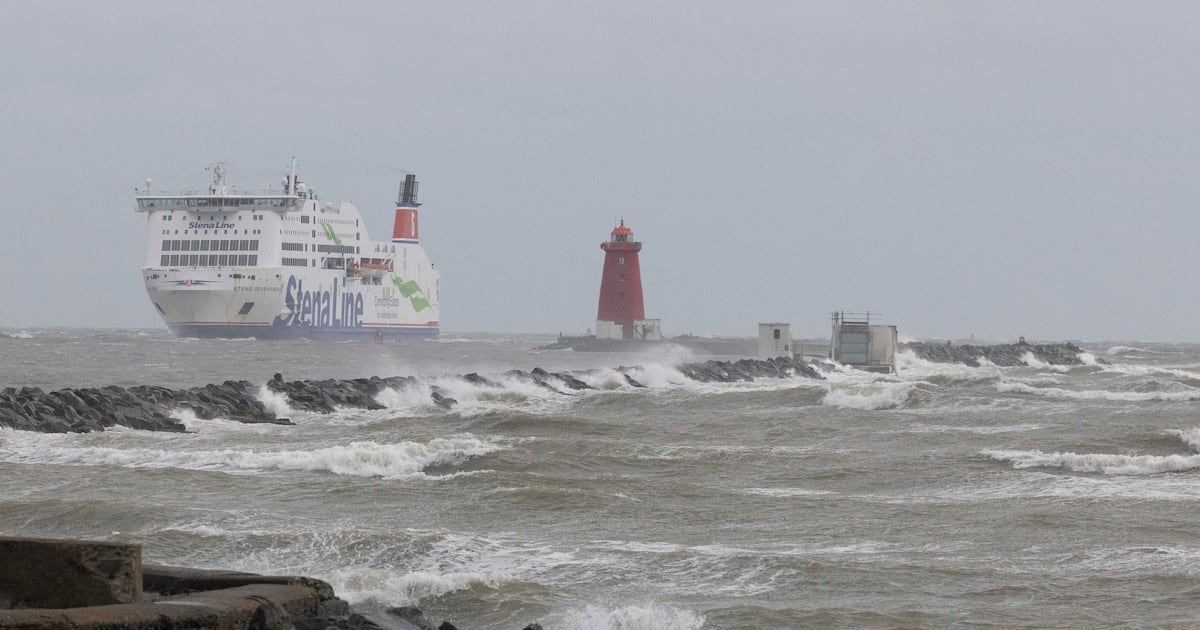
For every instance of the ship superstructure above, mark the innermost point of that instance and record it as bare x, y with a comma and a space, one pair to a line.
224, 263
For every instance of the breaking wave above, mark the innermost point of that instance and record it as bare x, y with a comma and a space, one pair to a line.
275, 402
1097, 394
357, 459
870, 396
1106, 463
1032, 361
1098, 462
390, 587
647, 616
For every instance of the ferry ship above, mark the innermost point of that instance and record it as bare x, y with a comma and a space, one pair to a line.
283, 264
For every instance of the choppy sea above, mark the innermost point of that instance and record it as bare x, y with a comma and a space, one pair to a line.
946, 496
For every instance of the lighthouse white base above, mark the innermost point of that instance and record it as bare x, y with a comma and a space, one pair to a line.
646, 329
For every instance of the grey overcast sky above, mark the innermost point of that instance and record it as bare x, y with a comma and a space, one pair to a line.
987, 168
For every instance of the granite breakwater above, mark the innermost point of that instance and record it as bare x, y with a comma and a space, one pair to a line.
150, 407
1003, 355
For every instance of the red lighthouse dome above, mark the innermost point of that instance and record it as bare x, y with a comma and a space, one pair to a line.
621, 308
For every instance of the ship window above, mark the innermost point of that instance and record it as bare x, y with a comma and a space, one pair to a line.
166, 260
246, 308
224, 245
166, 246
195, 259
621, 260
254, 245
186, 245
204, 245
204, 260
174, 260
241, 260
224, 260
245, 245
777, 333
253, 262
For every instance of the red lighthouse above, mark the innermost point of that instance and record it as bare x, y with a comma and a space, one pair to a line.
622, 315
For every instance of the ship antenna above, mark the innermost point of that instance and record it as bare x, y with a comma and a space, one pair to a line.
218, 185
292, 180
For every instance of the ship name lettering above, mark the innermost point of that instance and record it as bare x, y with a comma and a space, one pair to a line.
332, 309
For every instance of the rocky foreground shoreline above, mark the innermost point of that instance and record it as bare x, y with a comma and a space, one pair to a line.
148, 407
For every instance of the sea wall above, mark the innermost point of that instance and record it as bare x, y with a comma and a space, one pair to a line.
1004, 355
89, 585
149, 407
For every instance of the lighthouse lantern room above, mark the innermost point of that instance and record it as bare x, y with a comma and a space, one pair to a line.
622, 314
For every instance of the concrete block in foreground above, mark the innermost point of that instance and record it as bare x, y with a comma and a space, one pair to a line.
39, 573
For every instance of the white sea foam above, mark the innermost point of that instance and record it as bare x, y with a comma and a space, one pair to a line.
870, 396
1157, 561
187, 417
275, 402
658, 375
510, 393
909, 365
1031, 484
1191, 437
358, 459
643, 616
1098, 462
1115, 350
786, 492
980, 430
1133, 369
20, 334
395, 588
1034, 362
1093, 394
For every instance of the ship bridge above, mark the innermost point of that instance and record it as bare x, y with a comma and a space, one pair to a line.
219, 200
223, 203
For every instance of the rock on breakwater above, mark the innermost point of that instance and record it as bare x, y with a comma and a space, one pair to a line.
1004, 355
149, 407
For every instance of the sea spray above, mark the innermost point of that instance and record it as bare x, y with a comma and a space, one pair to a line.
275, 402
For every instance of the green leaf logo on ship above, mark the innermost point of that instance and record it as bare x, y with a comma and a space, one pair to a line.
412, 291
330, 234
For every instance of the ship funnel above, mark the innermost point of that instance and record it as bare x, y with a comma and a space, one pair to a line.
405, 228
408, 192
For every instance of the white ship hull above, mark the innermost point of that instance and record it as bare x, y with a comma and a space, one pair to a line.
282, 266
282, 303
